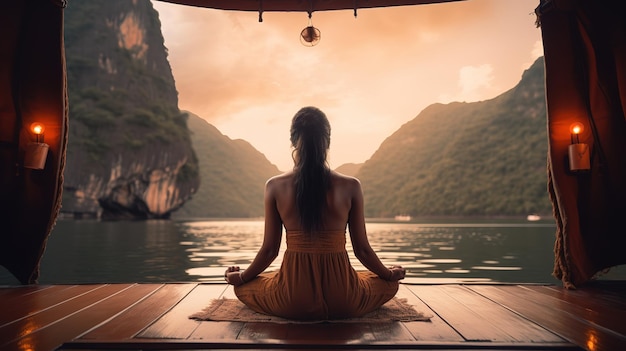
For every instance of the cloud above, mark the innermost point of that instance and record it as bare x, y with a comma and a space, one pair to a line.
474, 78
537, 50
474, 83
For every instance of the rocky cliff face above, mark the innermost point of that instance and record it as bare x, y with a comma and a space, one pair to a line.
129, 152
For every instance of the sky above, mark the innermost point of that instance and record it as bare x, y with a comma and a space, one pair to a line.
370, 74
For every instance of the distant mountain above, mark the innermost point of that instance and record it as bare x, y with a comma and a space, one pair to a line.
232, 173
349, 169
484, 158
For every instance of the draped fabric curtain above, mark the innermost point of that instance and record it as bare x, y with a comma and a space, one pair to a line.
32, 89
585, 76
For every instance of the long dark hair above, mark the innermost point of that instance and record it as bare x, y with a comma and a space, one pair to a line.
310, 137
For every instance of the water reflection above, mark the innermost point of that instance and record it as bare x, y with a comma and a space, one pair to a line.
166, 251
430, 252
126, 251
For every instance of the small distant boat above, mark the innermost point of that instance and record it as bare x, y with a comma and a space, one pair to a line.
403, 218
533, 217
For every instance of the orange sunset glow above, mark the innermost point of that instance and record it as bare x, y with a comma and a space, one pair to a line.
370, 74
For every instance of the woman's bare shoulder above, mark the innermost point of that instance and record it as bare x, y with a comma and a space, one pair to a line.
345, 180
280, 180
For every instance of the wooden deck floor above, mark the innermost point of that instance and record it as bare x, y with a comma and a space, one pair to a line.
155, 316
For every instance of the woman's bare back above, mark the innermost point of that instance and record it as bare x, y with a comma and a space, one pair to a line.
339, 200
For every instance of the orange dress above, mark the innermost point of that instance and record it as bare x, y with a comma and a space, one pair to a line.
316, 282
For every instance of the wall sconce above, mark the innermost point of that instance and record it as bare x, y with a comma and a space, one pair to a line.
578, 152
37, 151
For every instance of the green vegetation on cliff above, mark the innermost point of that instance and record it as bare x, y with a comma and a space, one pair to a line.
233, 175
129, 150
122, 93
484, 158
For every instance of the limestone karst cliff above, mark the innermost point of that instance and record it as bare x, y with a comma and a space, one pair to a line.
129, 153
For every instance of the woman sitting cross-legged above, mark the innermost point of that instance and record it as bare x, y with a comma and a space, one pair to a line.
315, 205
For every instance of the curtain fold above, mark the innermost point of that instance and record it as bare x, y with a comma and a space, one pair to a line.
32, 89
585, 69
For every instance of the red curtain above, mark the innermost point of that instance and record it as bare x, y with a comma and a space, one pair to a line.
32, 89
585, 69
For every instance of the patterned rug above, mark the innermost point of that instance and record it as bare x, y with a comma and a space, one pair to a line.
233, 310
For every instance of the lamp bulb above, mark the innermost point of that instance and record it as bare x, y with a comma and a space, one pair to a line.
37, 128
576, 128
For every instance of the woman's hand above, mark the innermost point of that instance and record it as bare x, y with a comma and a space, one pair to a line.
233, 275
397, 273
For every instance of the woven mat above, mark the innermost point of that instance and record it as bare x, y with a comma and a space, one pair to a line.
233, 310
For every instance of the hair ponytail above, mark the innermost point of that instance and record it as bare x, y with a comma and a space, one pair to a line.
310, 137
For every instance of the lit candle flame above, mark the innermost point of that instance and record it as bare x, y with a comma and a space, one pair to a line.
37, 128
576, 128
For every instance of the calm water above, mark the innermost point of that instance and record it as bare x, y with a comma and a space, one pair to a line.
168, 251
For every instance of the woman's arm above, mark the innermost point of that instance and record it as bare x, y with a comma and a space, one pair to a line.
271, 241
360, 244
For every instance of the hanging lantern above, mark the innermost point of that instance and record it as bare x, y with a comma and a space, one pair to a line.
310, 35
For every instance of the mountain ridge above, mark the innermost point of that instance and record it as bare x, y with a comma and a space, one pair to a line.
232, 172
483, 158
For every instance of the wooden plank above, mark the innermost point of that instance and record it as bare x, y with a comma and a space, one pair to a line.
156, 344
314, 345
130, 322
209, 330
602, 294
391, 332
595, 310
325, 333
434, 330
520, 329
175, 324
31, 323
24, 305
8, 293
14, 295
308, 333
67, 321
613, 291
554, 316
470, 322
218, 330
